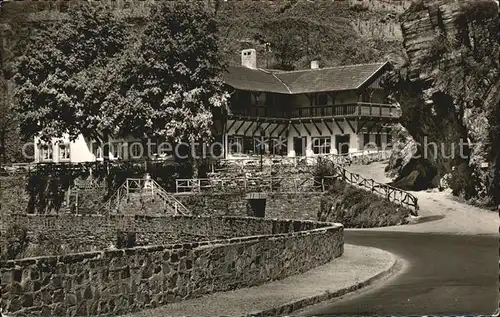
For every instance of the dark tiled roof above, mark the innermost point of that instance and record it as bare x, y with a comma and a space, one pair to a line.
253, 79
302, 81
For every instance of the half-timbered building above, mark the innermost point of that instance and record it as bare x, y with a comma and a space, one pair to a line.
333, 110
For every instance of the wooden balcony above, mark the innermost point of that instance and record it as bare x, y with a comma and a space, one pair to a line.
354, 110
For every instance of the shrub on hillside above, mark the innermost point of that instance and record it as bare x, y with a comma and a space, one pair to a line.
15, 242
357, 208
462, 183
13, 195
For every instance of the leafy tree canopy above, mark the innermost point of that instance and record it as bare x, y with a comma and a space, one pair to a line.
171, 79
52, 100
13, 31
88, 75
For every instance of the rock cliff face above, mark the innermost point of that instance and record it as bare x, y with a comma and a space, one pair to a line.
449, 90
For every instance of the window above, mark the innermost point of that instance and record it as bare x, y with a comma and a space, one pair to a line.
321, 100
366, 139
136, 150
117, 150
279, 146
378, 140
321, 145
96, 150
235, 144
46, 152
156, 148
260, 145
64, 152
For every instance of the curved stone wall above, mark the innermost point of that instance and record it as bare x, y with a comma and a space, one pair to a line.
125, 280
81, 233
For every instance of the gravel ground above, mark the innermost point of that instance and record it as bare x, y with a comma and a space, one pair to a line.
439, 212
357, 265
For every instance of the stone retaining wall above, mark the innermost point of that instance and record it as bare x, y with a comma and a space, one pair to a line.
120, 281
278, 205
80, 233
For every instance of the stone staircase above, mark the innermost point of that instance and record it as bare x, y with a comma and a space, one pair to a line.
143, 196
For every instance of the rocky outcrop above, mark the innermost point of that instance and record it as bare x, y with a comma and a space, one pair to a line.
404, 148
449, 90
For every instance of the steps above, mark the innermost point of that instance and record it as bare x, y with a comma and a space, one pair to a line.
143, 196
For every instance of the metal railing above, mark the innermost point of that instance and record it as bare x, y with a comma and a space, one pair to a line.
344, 110
145, 187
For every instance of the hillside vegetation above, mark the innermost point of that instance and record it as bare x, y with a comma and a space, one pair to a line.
286, 34
333, 32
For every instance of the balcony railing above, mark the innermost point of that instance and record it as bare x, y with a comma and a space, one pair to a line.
364, 109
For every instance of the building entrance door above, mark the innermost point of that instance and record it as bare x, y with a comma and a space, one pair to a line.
342, 143
299, 145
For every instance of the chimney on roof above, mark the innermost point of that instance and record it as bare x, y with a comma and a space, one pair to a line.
249, 58
314, 64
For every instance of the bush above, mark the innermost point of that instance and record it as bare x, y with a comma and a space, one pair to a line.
359, 7
462, 182
13, 195
46, 186
16, 242
357, 208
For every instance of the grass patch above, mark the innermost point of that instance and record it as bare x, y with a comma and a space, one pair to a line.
13, 195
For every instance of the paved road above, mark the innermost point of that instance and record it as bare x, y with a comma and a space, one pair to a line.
446, 274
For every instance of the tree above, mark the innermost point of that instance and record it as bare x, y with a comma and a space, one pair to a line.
87, 76
52, 80
13, 32
171, 82
287, 39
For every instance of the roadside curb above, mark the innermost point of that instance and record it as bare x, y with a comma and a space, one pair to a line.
304, 302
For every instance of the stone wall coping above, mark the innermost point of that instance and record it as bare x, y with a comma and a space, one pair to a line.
239, 192
79, 257
152, 216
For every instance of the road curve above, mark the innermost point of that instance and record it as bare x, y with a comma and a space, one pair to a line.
446, 274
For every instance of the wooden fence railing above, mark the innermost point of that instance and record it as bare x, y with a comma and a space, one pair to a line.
355, 158
146, 187
305, 184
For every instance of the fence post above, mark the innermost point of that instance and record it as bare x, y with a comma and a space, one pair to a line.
76, 202
322, 184
68, 195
